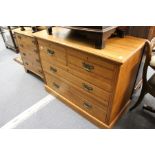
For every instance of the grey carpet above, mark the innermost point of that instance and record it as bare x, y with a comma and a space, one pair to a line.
18, 90
56, 115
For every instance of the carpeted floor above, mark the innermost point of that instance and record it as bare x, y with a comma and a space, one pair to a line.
20, 90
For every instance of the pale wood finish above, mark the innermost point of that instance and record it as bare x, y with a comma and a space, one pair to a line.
117, 50
109, 83
29, 51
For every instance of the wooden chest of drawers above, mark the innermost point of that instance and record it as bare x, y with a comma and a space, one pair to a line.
28, 48
96, 83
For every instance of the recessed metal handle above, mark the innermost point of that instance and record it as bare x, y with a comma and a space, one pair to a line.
19, 37
24, 54
87, 67
21, 45
87, 105
37, 60
56, 85
53, 69
50, 52
40, 71
87, 88
35, 50
34, 42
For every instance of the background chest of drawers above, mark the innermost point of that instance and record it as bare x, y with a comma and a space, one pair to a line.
29, 52
96, 83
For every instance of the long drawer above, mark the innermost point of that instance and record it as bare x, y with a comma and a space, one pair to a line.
74, 96
84, 86
51, 52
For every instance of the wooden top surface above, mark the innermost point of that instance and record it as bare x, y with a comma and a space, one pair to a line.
27, 32
118, 50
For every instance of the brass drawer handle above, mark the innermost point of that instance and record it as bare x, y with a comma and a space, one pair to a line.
19, 37
37, 60
40, 71
87, 88
35, 50
56, 85
53, 69
34, 42
50, 52
87, 67
26, 63
24, 54
21, 45
87, 105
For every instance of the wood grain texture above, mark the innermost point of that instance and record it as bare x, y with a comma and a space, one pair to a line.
117, 50
29, 51
104, 79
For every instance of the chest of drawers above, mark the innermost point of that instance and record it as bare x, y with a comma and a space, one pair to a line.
96, 83
29, 52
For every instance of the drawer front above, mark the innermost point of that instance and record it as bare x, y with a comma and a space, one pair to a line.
51, 52
104, 84
87, 88
72, 95
91, 58
33, 67
31, 57
25, 42
89, 68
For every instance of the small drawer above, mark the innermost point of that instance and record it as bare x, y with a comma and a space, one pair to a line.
92, 58
89, 68
52, 52
87, 88
25, 42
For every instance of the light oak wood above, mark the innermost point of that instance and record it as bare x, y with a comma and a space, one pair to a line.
110, 73
72, 94
84, 86
29, 51
117, 50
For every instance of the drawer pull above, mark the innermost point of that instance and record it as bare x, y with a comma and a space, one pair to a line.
39, 71
21, 45
56, 85
50, 52
53, 69
87, 105
26, 63
34, 42
35, 50
24, 54
87, 88
87, 67
19, 37
37, 60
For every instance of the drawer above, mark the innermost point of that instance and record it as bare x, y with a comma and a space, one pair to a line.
93, 79
74, 96
91, 69
91, 58
88, 106
29, 55
29, 65
25, 42
52, 52
85, 87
